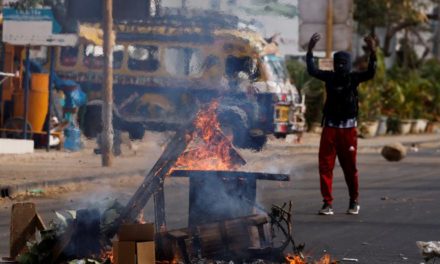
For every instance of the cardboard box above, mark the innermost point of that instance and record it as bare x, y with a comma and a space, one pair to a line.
136, 232
130, 252
135, 245
124, 252
145, 253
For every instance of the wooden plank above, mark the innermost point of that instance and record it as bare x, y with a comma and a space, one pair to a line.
159, 209
22, 227
62, 243
154, 178
230, 174
39, 222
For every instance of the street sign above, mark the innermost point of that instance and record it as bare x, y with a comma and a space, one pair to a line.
35, 26
325, 64
313, 18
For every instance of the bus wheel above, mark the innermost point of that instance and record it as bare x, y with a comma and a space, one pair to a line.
13, 128
235, 128
136, 131
256, 143
92, 121
280, 135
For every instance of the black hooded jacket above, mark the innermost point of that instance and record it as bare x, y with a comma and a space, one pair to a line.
342, 95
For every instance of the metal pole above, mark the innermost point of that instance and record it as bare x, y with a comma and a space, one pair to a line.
26, 92
329, 30
107, 107
2, 67
436, 44
51, 80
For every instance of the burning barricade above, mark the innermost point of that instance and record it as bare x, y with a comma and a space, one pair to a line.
223, 223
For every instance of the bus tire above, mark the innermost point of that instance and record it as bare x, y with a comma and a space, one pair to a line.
234, 125
280, 135
136, 131
257, 143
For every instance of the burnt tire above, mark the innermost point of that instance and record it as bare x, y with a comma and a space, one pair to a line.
92, 121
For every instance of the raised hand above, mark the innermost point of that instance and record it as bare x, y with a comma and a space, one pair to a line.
371, 42
313, 40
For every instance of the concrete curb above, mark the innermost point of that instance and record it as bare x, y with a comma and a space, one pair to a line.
368, 145
8, 190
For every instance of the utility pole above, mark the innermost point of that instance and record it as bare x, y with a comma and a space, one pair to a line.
107, 89
329, 30
436, 44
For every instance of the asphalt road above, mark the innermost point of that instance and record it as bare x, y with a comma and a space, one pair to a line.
399, 204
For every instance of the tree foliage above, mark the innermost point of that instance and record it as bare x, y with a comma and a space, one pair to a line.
393, 15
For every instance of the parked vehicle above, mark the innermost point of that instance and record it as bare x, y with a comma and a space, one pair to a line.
166, 67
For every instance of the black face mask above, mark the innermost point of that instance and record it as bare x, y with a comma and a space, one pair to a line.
342, 63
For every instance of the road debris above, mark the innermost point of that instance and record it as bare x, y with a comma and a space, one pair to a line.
350, 260
394, 152
429, 250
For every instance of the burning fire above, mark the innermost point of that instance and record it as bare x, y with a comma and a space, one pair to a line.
141, 219
210, 148
296, 259
107, 255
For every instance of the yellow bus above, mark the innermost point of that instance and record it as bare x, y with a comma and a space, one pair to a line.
164, 69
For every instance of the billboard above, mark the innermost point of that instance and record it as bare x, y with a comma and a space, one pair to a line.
34, 26
313, 18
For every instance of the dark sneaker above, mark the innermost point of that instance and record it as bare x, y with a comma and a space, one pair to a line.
326, 210
353, 208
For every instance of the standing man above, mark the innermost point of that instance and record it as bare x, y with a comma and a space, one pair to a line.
339, 136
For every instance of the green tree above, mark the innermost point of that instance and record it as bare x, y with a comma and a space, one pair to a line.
393, 15
430, 71
371, 92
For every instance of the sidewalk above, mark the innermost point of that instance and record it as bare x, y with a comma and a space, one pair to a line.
21, 173
311, 140
41, 169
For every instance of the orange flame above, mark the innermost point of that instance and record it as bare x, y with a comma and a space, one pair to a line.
141, 219
296, 259
107, 255
211, 148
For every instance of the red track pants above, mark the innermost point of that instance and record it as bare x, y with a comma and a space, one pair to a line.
341, 142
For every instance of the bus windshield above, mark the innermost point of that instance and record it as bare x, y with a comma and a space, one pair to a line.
275, 68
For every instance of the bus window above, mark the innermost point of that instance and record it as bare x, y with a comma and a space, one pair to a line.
143, 58
69, 56
275, 68
246, 65
183, 61
118, 56
94, 56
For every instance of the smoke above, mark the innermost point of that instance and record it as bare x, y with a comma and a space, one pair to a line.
215, 198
